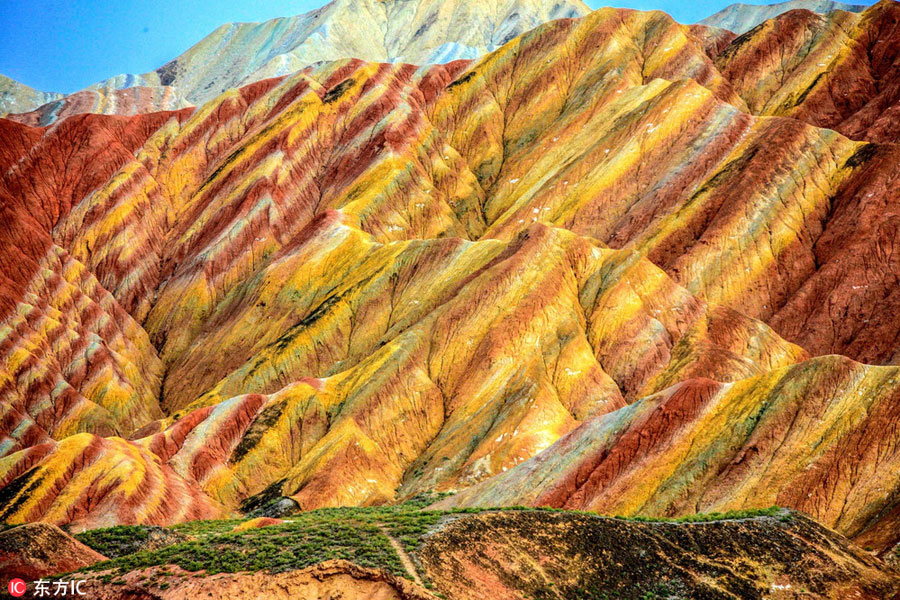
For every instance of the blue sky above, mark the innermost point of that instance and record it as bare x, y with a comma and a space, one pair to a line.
63, 46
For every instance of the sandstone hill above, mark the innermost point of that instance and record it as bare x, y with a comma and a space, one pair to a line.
410, 31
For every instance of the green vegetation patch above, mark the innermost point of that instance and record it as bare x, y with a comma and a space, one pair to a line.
772, 511
276, 549
115, 541
123, 540
353, 534
358, 535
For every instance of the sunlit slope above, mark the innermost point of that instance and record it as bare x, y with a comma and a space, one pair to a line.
72, 360
840, 70
88, 481
363, 281
237, 54
17, 97
767, 216
104, 100
489, 155
418, 32
741, 18
818, 436
405, 383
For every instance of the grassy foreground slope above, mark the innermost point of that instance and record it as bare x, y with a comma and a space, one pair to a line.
493, 553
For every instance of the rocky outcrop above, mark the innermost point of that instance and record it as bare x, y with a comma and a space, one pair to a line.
37, 550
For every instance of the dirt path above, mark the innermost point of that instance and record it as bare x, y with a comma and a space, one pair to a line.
404, 557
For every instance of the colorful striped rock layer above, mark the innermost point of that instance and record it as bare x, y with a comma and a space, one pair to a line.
104, 101
421, 32
236, 54
578, 272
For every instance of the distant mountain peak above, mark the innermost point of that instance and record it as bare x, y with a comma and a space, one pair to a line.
237, 54
415, 31
16, 97
740, 17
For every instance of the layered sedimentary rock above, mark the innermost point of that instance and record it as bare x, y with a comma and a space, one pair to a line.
73, 360
17, 97
714, 174
471, 405
469, 411
818, 436
86, 482
364, 281
741, 18
236, 54
840, 71
712, 39
104, 101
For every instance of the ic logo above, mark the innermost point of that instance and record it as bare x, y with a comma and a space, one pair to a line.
17, 588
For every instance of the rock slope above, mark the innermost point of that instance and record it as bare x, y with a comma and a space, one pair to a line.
236, 54
840, 71
816, 436
369, 280
36, 550
17, 97
559, 555
741, 18
104, 101
411, 31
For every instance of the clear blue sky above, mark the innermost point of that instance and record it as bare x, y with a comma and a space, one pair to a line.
63, 46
